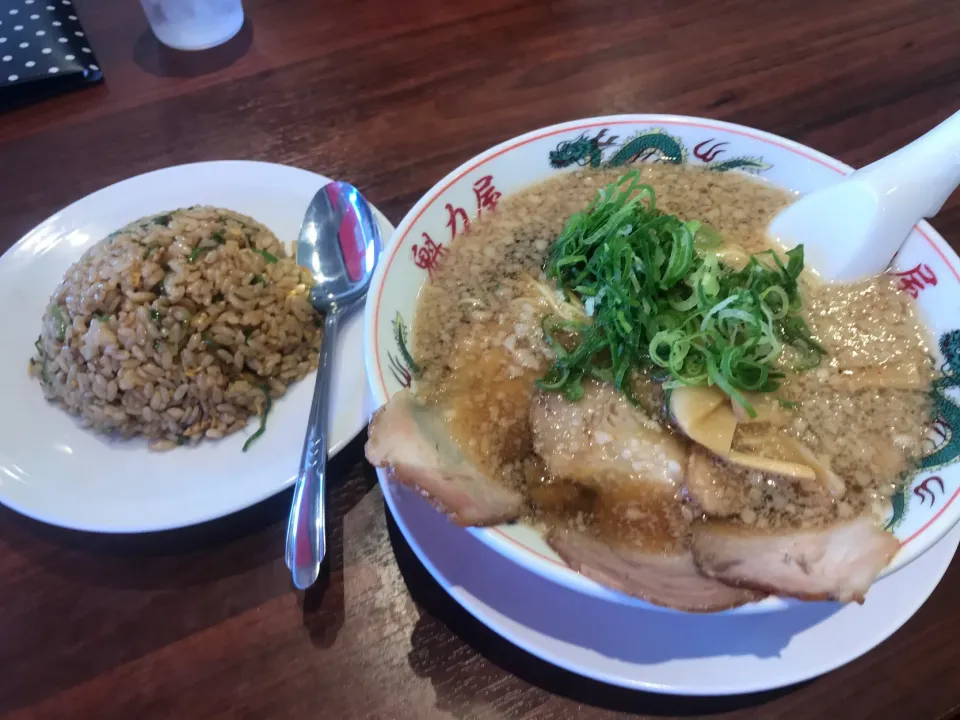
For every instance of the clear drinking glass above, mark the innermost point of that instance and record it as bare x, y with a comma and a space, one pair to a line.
193, 24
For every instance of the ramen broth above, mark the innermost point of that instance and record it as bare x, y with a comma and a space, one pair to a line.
478, 338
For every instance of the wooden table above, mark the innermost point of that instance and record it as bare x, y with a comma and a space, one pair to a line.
392, 95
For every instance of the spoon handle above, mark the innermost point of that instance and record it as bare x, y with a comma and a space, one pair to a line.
306, 528
916, 180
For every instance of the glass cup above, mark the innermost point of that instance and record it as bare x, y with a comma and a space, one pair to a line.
193, 24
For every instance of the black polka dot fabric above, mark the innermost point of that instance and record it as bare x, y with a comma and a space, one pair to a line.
43, 49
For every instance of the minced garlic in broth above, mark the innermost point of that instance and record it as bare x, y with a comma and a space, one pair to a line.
477, 335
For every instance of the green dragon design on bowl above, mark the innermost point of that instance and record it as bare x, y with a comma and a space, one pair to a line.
650, 145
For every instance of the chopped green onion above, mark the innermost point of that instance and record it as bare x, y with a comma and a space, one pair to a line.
155, 314
271, 259
60, 321
197, 253
656, 299
218, 237
210, 342
259, 279
38, 344
263, 418
101, 317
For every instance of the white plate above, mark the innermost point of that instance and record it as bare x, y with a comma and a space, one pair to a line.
54, 471
654, 651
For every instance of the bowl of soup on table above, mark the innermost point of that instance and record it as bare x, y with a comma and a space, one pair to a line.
586, 348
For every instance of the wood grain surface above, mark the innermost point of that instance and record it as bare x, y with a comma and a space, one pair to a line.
203, 622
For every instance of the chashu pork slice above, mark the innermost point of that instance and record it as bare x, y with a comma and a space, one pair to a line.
635, 536
712, 487
666, 579
603, 438
413, 442
722, 489
839, 562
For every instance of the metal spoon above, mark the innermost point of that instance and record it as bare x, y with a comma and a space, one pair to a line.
339, 243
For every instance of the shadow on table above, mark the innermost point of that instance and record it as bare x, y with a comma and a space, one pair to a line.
544, 607
189, 556
94, 602
155, 58
323, 604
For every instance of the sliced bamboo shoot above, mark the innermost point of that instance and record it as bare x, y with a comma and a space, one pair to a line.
705, 416
776, 467
825, 475
715, 431
766, 407
690, 405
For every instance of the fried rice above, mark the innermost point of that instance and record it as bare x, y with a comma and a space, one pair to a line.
178, 327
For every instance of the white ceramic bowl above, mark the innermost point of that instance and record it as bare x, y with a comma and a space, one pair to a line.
929, 269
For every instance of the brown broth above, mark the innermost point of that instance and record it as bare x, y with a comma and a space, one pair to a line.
863, 412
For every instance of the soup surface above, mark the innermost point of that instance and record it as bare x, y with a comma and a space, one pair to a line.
862, 412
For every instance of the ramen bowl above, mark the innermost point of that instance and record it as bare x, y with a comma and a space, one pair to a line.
926, 267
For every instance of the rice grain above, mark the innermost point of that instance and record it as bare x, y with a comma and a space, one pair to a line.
176, 326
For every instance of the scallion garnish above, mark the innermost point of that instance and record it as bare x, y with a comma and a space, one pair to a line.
209, 341
197, 253
270, 258
263, 417
656, 297
60, 321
